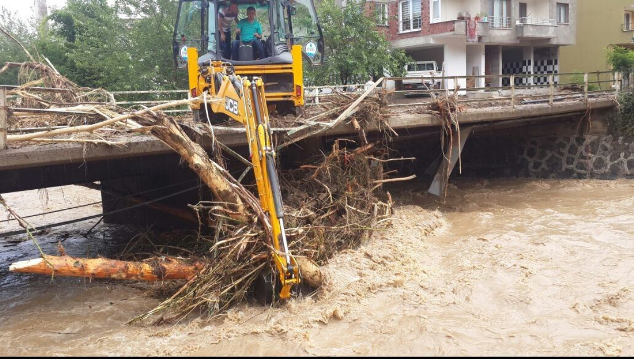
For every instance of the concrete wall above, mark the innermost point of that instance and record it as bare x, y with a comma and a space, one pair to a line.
537, 9
476, 58
455, 60
566, 34
451, 8
599, 27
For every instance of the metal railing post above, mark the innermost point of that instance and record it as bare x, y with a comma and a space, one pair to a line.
585, 86
513, 92
3, 118
552, 89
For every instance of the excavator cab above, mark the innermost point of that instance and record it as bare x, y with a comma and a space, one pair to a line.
290, 32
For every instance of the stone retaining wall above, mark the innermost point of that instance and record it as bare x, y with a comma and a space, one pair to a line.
598, 157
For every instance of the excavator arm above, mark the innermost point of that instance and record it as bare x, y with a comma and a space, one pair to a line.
243, 100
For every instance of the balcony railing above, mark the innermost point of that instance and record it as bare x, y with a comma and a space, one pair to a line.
407, 25
533, 21
499, 22
627, 27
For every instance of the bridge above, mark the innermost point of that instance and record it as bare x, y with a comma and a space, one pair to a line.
143, 162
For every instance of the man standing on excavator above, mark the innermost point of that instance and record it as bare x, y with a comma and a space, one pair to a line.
250, 31
226, 16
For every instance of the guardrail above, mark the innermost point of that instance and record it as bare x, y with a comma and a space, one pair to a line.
319, 94
499, 22
585, 86
533, 21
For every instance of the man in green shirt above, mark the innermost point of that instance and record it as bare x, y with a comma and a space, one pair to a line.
249, 30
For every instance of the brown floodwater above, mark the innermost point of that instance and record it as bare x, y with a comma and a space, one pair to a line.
504, 267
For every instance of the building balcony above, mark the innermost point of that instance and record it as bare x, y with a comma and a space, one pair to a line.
499, 22
536, 28
460, 28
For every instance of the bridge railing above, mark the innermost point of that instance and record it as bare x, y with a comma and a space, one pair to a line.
567, 85
512, 86
313, 95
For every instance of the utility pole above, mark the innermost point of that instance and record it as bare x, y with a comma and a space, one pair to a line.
41, 10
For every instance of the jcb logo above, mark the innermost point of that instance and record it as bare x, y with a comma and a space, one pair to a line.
231, 105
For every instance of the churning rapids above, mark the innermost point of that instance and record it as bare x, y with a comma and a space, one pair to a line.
504, 267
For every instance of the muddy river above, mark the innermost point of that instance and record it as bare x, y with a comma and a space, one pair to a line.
504, 267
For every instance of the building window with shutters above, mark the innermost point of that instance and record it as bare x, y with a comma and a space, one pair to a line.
409, 15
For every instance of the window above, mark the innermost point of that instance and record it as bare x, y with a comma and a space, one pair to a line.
380, 10
523, 10
435, 10
501, 18
627, 25
409, 15
563, 11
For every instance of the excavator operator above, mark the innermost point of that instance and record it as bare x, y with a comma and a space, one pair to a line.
250, 31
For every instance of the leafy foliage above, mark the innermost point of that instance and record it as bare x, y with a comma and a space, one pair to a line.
354, 47
578, 79
122, 47
621, 60
127, 44
622, 122
9, 50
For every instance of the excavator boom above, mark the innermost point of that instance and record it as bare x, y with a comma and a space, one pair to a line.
244, 100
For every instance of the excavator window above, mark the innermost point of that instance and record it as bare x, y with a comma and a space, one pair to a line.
188, 30
305, 29
284, 23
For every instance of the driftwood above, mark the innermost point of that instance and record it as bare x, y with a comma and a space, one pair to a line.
66, 266
310, 272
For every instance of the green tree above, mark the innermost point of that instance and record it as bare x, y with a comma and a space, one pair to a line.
124, 46
621, 60
354, 48
150, 29
88, 43
9, 50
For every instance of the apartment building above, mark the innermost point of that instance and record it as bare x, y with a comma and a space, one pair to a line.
507, 37
606, 23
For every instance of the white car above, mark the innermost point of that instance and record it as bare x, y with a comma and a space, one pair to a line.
421, 69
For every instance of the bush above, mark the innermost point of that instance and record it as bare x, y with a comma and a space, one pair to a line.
622, 121
577, 79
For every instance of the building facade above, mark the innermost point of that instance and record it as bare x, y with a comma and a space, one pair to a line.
506, 37
606, 23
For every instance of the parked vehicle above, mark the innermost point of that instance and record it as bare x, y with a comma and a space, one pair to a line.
420, 69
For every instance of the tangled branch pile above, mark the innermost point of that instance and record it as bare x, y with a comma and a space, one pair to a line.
447, 110
332, 204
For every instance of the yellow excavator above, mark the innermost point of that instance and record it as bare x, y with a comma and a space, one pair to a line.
290, 33
243, 89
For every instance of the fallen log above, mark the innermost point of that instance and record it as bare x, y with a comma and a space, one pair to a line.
310, 271
66, 266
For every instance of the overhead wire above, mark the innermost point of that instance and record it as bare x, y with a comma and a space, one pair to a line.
53, 225
98, 202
